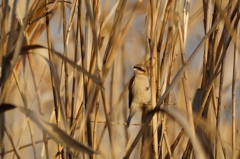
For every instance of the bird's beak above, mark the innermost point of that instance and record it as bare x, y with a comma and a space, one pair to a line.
134, 68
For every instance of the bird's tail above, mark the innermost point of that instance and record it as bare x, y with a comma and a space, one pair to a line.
129, 120
133, 108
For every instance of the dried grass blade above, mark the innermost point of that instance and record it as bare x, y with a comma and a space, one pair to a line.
79, 68
52, 130
72, 63
116, 23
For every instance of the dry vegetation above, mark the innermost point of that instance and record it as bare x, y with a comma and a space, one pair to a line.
65, 68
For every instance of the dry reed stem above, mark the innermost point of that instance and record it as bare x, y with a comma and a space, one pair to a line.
185, 79
95, 129
153, 68
225, 35
56, 105
234, 78
106, 111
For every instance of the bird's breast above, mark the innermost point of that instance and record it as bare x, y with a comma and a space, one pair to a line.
141, 90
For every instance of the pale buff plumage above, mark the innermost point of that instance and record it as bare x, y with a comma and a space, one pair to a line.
139, 90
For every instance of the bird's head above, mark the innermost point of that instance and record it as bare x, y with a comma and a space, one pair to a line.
140, 69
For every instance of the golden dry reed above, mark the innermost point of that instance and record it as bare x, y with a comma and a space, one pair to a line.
66, 66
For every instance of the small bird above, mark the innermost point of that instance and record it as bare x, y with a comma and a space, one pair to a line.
139, 90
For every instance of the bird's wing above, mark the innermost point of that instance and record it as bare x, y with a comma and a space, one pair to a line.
130, 93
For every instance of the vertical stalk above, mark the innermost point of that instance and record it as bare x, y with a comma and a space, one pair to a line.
220, 103
74, 81
52, 80
206, 7
153, 73
3, 47
183, 42
64, 65
234, 80
225, 46
95, 126
108, 122
74, 70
